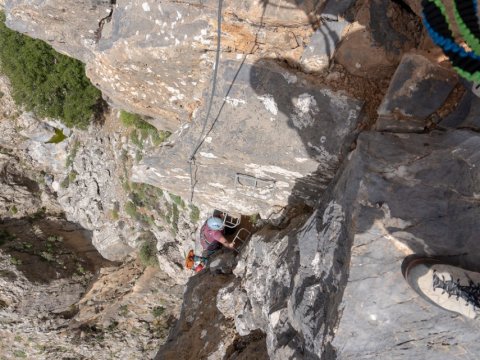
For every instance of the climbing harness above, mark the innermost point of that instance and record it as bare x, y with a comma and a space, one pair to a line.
201, 138
437, 23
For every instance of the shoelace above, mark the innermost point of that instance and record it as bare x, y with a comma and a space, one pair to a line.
470, 293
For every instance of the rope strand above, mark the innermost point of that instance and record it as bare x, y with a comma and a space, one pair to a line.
201, 138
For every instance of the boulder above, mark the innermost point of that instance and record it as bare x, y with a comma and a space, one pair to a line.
268, 133
381, 33
331, 285
417, 89
320, 50
460, 113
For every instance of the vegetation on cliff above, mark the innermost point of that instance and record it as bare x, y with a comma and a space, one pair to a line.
46, 82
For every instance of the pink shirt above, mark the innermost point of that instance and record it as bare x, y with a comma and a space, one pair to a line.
209, 238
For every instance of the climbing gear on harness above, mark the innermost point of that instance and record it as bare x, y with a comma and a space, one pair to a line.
437, 23
448, 287
195, 262
215, 223
202, 136
199, 263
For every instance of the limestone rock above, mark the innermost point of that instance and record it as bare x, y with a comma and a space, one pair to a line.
472, 120
417, 89
461, 112
332, 286
335, 8
155, 59
273, 132
201, 329
414, 198
374, 45
18, 191
323, 43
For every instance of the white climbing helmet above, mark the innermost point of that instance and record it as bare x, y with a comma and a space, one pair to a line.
215, 223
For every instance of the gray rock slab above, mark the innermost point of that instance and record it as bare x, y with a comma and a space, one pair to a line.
460, 113
323, 43
415, 196
334, 8
472, 120
276, 138
417, 89
329, 286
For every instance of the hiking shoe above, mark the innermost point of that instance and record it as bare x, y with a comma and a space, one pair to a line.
446, 286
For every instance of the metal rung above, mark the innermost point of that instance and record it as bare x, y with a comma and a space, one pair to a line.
252, 181
241, 236
228, 220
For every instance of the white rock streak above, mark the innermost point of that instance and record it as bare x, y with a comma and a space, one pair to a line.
269, 103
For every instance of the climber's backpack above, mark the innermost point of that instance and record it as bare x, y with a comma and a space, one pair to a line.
190, 259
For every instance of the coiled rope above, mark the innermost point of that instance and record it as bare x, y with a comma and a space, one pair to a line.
201, 138
438, 25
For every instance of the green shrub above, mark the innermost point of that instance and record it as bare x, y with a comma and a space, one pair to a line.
175, 217
114, 214
158, 311
72, 176
194, 213
73, 153
19, 354
39, 214
131, 210
177, 200
160, 136
57, 138
136, 121
65, 183
145, 128
46, 82
135, 139
148, 253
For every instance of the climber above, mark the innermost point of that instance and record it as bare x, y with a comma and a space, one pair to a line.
210, 240
211, 236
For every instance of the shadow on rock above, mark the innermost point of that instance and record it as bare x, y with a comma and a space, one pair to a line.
45, 248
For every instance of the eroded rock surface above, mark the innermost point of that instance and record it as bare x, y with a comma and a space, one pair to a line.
274, 132
332, 287
309, 286
154, 59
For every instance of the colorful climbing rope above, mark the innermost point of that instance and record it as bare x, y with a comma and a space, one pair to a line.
439, 27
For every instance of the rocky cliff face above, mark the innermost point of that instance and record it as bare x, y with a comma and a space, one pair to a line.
331, 287
62, 213
155, 59
338, 121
